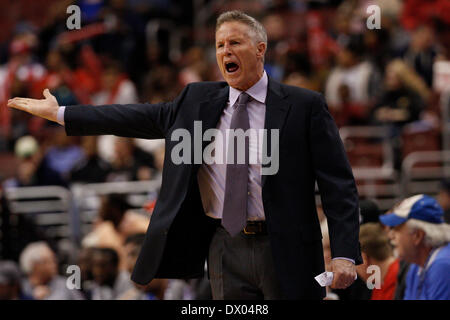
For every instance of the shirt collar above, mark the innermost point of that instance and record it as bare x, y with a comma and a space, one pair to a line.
258, 91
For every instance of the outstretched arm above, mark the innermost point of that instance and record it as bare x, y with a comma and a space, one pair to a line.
148, 121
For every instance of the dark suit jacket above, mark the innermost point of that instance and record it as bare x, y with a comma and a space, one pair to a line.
179, 234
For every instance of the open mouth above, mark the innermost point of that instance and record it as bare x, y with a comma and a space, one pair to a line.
231, 67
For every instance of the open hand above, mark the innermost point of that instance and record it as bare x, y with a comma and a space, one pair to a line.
45, 108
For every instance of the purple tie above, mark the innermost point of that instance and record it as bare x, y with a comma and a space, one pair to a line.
234, 216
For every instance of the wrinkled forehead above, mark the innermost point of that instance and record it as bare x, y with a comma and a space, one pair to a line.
234, 29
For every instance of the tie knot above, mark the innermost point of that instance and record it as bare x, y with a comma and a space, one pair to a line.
243, 98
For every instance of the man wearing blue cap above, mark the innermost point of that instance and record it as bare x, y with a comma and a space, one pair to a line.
421, 237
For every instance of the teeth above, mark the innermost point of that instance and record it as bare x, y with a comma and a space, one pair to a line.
231, 65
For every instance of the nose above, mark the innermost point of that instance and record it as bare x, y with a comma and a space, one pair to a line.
391, 234
227, 49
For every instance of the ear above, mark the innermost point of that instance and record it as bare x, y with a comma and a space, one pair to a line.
261, 49
418, 236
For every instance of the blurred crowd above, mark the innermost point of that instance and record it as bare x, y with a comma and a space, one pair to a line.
405, 251
131, 51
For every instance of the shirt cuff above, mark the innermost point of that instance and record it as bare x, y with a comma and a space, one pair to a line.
348, 259
60, 115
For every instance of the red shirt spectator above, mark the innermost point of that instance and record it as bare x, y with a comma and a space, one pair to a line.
387, 290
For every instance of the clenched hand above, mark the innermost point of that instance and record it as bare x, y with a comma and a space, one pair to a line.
45, 108
344, 273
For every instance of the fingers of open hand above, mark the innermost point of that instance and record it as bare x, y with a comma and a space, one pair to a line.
45, 108
20, 103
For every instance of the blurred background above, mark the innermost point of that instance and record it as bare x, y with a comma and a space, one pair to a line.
87, 201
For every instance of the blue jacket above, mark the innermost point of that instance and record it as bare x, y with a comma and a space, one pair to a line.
434, 284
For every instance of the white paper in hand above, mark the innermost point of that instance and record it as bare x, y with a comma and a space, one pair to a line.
325, 279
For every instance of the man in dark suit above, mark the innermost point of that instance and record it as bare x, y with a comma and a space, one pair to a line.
259, 233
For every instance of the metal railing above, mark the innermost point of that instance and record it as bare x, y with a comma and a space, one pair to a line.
86, 199
378, 183
65, 214
47, 206
425, 179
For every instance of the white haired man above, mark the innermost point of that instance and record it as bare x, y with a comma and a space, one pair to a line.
39, 264
421, 237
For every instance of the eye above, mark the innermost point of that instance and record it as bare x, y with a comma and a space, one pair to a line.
220, 45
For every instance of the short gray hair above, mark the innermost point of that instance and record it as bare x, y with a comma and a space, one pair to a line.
239, 16
436, 235
32, 254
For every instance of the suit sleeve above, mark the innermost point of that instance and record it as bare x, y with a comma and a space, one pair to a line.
146, 121
336, 183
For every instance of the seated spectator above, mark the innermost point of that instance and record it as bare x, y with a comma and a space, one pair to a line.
116, 87
182, 289
421, 52
403, 99
377, 251
152, 291
109, 282
351, 85
17, 76
32, 170
129, 162
63, 154
444, 198
10, 282
114, 224
85, 264
39, 264
300, 80
91, 168
402, 102
421, 237
369, 211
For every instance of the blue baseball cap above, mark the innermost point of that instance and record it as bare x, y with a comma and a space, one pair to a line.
419, 207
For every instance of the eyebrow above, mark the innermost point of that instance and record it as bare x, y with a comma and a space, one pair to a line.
237, 38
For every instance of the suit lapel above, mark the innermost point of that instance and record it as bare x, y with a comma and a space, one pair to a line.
211, 109
276, 111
